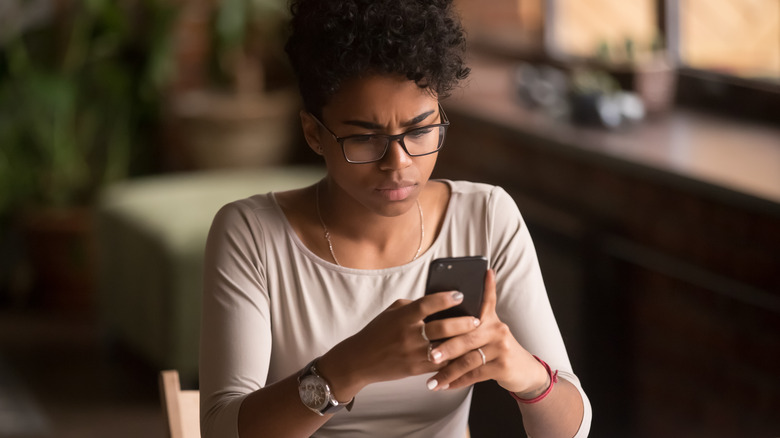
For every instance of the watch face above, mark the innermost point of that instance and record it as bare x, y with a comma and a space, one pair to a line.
314, 392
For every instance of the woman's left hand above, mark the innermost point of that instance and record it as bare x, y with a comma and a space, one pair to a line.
505, 360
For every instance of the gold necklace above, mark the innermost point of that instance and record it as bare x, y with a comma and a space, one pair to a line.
327, 233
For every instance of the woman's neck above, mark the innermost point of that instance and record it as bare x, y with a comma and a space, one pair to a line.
359, 237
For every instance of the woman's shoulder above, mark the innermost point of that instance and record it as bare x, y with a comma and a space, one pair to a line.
485, 203
249, 204
250, 211
469, 192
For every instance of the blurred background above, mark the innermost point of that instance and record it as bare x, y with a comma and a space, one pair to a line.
640, 139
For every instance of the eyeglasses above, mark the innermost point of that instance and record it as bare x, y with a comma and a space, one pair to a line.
369, 148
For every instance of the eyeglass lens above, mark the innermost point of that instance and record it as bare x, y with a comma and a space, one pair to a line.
420, 141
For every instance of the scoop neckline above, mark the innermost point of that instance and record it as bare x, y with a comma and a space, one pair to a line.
334, 267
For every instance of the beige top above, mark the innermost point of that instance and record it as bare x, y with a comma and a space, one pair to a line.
270, 305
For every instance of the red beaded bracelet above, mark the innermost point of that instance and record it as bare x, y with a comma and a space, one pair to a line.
553, 380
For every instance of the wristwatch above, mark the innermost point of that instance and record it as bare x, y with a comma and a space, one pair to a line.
316, 394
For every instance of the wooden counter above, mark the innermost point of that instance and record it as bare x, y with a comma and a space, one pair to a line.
691, 148
660, 246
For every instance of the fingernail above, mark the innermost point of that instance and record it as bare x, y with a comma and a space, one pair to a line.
457, 296
444, 387
436, 355
432, 384
476, 322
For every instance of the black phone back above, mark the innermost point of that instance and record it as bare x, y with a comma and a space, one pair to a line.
464, 274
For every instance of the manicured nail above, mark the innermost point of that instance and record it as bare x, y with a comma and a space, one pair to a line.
432, 384
436, 355
457, 296
444, 387
476, 322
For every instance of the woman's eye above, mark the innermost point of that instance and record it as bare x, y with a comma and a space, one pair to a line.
420, 132
362, 138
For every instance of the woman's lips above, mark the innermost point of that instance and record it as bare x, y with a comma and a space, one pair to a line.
396, 193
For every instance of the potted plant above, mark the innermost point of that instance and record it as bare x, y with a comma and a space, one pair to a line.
644, 69
245, 115
78, 100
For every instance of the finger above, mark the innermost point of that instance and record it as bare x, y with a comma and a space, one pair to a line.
479, 373
464, 368
430, 304
489, 296
474, 376
427, 367
425, 356
459, 345
449, 327
399, 303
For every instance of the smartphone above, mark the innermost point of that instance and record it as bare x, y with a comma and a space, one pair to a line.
464, 274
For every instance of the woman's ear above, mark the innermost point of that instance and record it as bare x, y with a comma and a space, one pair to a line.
311, 132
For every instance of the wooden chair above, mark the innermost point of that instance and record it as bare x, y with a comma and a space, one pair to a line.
181, 409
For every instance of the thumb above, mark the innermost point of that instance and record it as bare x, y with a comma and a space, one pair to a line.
398, 304
489, 296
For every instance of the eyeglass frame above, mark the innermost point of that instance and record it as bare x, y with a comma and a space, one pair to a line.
445, 124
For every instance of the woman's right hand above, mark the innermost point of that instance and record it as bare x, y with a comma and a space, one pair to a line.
392, 346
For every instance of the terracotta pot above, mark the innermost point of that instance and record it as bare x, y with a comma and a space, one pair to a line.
61, 252
655, 82
220, 130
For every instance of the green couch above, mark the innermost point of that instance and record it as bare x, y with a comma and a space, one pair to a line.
151, 236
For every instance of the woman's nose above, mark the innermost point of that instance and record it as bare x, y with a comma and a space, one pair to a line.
395, 157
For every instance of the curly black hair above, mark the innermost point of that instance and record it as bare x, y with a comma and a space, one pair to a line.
335, 40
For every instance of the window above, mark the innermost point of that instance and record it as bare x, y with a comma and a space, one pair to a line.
733, 37
739, 38
612, 30
726, 52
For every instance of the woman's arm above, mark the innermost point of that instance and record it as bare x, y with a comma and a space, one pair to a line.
559, 414
390, 347
517, 321
276, 410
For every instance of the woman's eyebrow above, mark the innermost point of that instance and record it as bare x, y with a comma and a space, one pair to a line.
371, 125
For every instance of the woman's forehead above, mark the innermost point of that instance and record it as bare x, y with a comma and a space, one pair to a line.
379, 98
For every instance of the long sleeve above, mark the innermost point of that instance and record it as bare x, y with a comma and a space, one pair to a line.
235, 327
522, 298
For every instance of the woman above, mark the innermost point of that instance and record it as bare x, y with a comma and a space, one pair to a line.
324, 285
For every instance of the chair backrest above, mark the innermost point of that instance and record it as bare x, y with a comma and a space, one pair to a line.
181, 409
